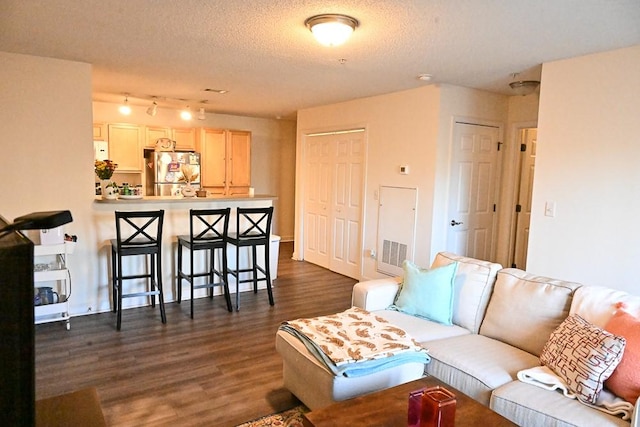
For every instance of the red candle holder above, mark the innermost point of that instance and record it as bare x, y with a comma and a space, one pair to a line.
431, 407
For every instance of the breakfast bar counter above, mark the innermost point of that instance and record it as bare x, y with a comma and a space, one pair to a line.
127, 200
176, 222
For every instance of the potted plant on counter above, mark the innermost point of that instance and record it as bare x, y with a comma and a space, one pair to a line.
188, 176
104, 170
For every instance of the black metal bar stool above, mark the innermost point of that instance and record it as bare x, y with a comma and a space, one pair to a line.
253, 227
207, 231
138, 233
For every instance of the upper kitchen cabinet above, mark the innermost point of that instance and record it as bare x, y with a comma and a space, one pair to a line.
125, 146
225, 158
154, 133
185, 139
99, 132
239, 162
211, 143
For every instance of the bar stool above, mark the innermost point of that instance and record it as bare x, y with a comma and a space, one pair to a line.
138, 233
207, 231
253, 229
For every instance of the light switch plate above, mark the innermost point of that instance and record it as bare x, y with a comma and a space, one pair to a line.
550, 209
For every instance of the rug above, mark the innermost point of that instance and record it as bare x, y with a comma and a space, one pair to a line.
288, 418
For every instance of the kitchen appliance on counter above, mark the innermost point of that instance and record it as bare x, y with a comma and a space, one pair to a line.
164, 171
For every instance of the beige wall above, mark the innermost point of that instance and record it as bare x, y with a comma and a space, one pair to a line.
47, 160
588, 163
401, 129
469, 105
405, 128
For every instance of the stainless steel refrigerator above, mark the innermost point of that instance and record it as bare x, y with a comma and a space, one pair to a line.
164, 171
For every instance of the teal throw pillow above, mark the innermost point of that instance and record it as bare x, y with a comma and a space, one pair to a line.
427, 293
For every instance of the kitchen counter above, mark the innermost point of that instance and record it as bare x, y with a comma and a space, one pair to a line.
182, 199
176, 222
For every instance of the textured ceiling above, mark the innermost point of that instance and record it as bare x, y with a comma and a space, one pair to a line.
261, 52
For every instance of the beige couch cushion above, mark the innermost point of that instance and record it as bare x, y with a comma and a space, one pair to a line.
475, 364
525, 309
529, 405
472, 288
597, 304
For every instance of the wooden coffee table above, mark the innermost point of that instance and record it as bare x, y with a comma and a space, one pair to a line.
389, 408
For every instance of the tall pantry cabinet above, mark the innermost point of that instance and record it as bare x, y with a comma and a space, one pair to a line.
225, 157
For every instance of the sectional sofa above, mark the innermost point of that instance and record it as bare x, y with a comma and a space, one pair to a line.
502, 321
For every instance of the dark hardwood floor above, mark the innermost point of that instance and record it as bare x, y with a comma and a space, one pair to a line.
220, 369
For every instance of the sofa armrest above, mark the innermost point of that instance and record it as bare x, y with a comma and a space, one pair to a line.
376, 294
635, 418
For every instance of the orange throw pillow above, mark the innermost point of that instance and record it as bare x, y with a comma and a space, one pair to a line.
625, 380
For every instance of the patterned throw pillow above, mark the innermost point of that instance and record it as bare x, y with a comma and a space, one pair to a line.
583, 355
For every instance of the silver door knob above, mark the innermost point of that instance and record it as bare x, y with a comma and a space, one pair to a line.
454, 223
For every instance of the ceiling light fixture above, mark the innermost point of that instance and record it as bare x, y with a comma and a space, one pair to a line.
153, 109
124, 108
425, 77
523, 87
331, 29
186, 114
201, 115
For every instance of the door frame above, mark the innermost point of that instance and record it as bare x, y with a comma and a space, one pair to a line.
300, 190
511, 187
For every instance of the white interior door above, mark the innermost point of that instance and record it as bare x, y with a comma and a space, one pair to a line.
472, 197
333, 201
347, 204
317, 209
528, 138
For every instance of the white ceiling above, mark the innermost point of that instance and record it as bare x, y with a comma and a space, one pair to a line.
261, 52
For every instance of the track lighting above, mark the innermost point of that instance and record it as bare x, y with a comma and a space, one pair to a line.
153, 109
124, 108
186, 114
201, 115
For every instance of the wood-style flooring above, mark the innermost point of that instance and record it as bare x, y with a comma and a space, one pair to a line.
220, 369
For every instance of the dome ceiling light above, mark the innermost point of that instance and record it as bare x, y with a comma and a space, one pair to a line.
331, 29
523, 87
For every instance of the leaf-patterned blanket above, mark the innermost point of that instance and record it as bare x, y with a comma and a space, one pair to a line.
356, 342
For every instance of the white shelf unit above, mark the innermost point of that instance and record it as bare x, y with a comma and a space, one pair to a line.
61, 283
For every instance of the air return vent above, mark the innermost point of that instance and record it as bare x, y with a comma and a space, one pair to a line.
393, 253
396, 228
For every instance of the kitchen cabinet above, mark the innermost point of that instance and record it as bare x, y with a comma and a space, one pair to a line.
225, 159
99, 132
154, 133
51, 267
239, 162
125, 146
185, 138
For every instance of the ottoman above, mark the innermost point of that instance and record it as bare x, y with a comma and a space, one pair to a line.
317, 387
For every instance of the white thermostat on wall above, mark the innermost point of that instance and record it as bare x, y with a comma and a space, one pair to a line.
404, 170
